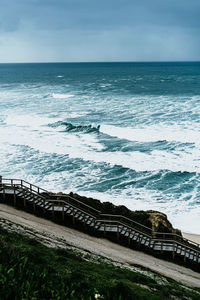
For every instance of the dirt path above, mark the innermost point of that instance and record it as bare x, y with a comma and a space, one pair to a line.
55, 235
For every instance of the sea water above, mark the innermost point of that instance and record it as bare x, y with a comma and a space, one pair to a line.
128, 133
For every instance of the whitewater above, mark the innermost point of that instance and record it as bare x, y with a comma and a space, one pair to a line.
126, 133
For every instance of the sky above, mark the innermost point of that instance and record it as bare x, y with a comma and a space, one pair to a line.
99, 30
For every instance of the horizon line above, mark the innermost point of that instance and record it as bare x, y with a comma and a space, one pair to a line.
116, 61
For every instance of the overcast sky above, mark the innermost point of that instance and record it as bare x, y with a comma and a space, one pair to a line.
99, 30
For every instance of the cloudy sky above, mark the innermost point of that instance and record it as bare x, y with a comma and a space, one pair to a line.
99, 30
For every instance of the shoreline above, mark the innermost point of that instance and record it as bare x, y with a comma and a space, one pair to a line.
192, 237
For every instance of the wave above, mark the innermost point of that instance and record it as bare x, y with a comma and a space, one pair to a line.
69, 127
62, 96
38, 132
81, 128
88, 147
155, 133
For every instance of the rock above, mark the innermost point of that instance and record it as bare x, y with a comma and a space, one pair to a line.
160, 223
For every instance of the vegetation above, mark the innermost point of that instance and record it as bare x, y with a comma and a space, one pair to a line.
30, 270
157, 221
109, 208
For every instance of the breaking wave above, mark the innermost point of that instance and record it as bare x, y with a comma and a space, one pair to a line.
69, 127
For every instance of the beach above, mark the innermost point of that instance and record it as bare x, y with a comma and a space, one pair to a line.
192, 237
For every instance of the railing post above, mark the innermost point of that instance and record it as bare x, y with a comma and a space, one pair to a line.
197, 257
43, 206
73, 219
24, 198
84, 220
173, 253
53, 210
129, 233
117, 231
4, 193
63, 212
185, 255
14, 196
34, 204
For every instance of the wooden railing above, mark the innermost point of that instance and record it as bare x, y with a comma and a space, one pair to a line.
64, 201
25, 184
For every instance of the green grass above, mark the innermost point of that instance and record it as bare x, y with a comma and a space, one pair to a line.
30, 270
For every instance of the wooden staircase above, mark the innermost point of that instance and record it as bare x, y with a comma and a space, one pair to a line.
24, 194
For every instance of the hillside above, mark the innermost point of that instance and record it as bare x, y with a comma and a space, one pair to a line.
57, 236
30, 270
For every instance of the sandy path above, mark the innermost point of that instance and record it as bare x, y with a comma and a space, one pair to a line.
59, 234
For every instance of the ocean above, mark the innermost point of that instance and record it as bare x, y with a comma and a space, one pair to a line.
128, 133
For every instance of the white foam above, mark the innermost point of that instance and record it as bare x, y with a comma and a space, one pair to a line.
105, 85
31, 131
154, 133
156, 160
62, 96
77, 114
33, 121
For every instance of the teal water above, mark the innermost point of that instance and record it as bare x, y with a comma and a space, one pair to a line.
122, 132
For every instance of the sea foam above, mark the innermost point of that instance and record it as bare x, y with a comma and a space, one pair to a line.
83, 143
154, 133
61, 96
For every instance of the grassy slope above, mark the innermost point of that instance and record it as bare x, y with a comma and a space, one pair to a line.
29, 270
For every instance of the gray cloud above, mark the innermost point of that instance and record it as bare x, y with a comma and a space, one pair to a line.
99, 30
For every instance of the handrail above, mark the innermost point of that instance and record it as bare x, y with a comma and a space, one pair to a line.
23, 181
123, 217
76, 200
121, 223
153, 234
174, 242
179, 237
47, 192
40, 195
63, 201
